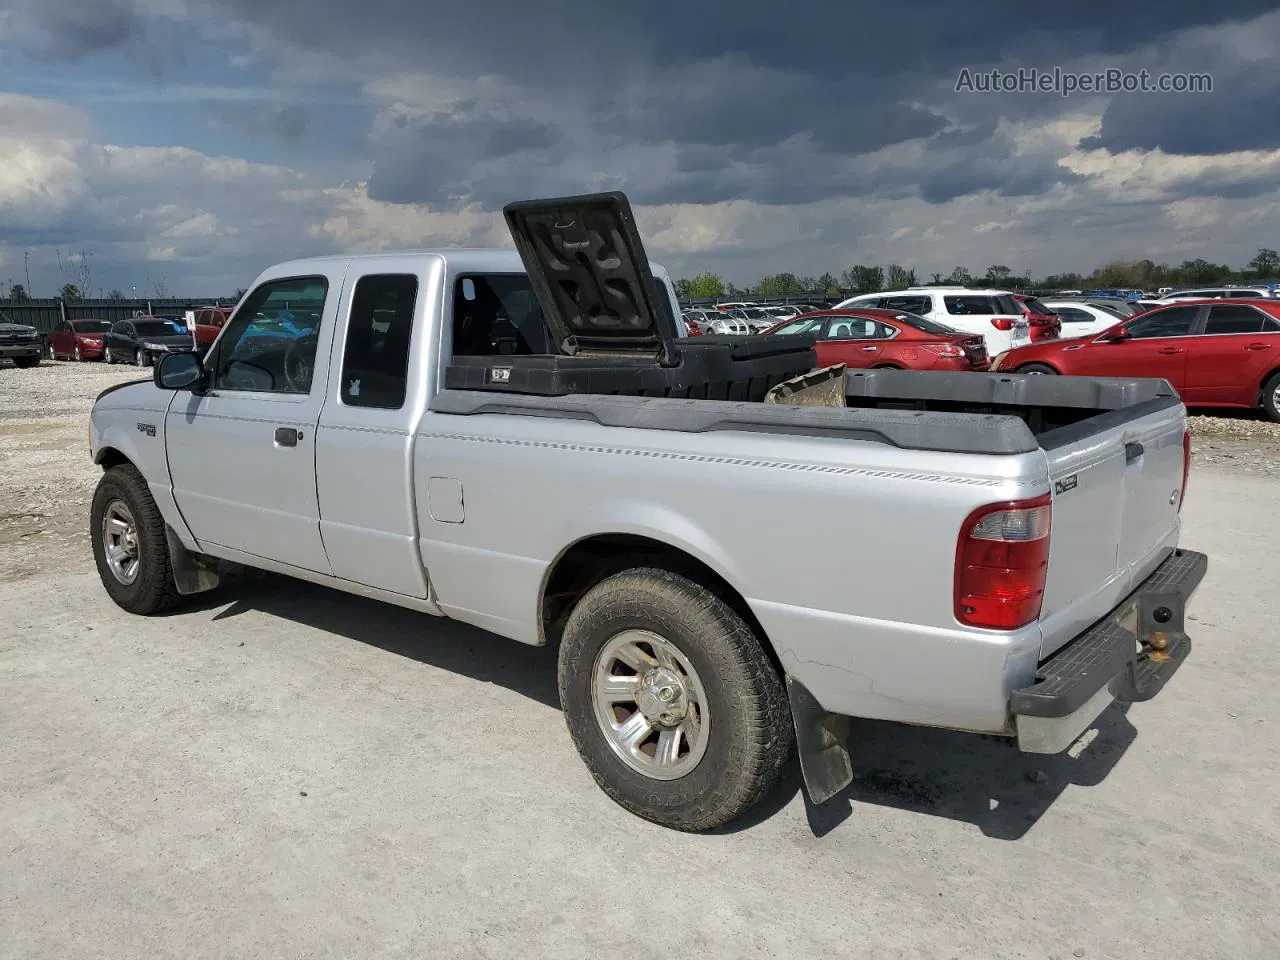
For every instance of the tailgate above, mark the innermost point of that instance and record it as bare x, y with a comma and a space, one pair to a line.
1116, 492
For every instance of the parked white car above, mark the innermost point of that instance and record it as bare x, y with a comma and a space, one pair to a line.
994, 314
1081, 319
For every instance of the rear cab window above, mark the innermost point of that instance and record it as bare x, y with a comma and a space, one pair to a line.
497, 314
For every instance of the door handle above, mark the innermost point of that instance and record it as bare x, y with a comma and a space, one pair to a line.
1171, 350
870, 349
1132, 452
1258, 346
287, 437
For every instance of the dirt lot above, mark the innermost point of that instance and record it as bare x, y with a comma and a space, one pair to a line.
288, 772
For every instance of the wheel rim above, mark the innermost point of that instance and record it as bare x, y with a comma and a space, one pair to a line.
650, 705
76, 354
1275, 397
140, 359
120, 542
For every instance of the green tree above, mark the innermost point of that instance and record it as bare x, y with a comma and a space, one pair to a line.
863, 279
1266, 263
71, 292
779, 285
900, 277
997, 275
828, 284
706, 285
18, 293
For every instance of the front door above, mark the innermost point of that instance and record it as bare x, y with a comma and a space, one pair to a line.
242, 457
1156, 347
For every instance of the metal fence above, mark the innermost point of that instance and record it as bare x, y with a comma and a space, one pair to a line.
45, 314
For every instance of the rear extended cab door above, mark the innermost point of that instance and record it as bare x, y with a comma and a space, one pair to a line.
384, 374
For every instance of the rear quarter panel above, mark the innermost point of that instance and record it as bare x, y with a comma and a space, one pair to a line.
843, 549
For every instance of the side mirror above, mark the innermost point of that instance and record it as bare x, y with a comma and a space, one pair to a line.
1119, 334
178, 371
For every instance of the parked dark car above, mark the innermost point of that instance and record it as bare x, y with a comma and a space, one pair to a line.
143, 339
19, 342
78, 339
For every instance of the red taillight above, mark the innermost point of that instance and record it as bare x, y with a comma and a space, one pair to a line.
1186, 466
1002, 560
1002, 323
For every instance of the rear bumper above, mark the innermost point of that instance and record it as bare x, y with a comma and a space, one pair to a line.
1127, 657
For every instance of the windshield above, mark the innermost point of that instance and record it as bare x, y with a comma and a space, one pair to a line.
91, 326
156, 328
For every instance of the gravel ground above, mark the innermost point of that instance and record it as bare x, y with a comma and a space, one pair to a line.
292, 772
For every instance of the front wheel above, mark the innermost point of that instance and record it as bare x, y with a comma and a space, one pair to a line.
671, 700
1271, 399
142, 358
129, 545
1038, 369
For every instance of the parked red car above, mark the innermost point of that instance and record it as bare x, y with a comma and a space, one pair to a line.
872, 337
209, 323
1215, 353
1044, 323
78, 339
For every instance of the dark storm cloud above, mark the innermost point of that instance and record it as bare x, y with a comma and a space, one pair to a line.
682, 101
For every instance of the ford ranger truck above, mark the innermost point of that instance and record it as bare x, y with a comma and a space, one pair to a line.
725, 581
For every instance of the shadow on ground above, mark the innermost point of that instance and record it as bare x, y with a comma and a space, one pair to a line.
983, 780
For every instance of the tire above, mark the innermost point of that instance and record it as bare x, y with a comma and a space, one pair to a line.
742, 708
141, 358
151, 589
1271, 399
1037, 369
49, 352
75, 354
27, 362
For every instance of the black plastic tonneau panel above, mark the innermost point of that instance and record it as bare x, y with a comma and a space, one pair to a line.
590, 273
1006, 389
941, 432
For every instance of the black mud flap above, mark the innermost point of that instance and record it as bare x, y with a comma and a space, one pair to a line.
192, 573
820, 741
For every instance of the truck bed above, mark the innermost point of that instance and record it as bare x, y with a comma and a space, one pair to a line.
978, 413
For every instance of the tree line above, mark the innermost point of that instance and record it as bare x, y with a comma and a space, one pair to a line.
1118, 274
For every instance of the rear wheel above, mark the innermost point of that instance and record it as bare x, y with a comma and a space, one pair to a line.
49, 352
1271, 399
671, 700
1037, 369
129, 545
75, 354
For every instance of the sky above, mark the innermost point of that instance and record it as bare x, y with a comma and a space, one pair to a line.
186, 145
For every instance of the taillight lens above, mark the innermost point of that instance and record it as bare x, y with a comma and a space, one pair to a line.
1002, 323
1186, 466
944, 349
1002, 561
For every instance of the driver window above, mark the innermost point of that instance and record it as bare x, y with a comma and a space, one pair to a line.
270, 345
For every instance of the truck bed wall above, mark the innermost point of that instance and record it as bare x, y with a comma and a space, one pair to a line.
850, 523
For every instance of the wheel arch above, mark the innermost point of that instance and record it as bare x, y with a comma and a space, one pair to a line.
1037, 363
1262, 383
592, 559
108, 457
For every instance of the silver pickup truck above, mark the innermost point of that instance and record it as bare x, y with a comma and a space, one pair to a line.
725, 580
